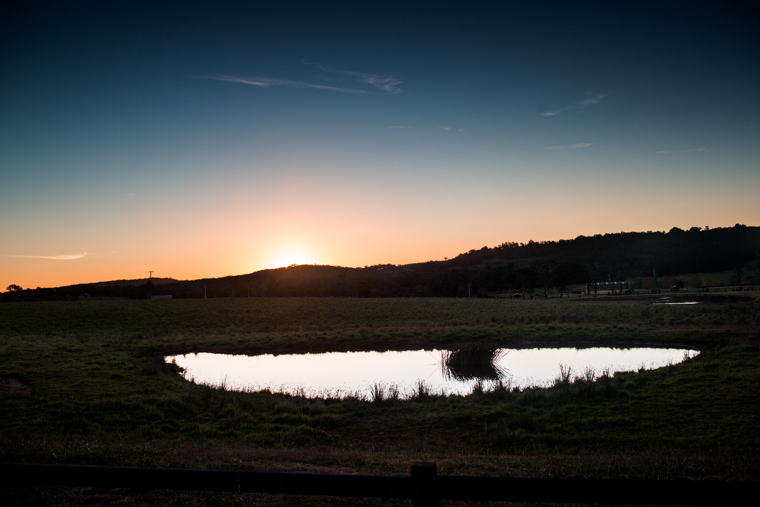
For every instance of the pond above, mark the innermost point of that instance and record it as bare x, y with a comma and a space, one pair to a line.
342, 374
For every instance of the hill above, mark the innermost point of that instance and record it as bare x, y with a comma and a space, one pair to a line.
135, 282
645, 259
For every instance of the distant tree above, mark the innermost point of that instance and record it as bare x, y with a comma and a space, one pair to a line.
14, 288
569, 273
363, 289
546, 274
524, 278
739, 273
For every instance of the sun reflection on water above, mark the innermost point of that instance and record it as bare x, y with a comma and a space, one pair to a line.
341, 374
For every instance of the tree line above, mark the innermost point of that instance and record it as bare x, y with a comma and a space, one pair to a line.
508, 268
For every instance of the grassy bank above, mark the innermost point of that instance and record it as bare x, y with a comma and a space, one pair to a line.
84, 382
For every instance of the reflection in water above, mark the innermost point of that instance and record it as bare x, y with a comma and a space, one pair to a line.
473, 363
341, 374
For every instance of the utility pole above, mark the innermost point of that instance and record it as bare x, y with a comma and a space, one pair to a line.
150, 285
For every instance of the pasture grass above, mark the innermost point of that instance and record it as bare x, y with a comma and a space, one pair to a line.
85, 383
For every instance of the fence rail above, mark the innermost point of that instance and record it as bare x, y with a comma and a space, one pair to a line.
424, 486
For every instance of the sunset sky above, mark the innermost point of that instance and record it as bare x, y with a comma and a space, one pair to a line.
199, 141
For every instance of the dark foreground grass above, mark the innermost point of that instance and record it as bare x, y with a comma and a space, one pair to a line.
85, 383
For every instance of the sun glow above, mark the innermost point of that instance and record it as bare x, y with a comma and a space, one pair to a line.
286, 258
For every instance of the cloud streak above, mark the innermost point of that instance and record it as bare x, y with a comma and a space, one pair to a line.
386, 84
575, 146
60, 257
367, 83
577, 106
691, 150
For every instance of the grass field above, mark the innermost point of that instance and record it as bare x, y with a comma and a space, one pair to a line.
85, 383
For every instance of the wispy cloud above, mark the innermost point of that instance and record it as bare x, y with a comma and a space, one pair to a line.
580, 105
569, 146
60, 257
386, 84
442, 127
690, 150
359, 84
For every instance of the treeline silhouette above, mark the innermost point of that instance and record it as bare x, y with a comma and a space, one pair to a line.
506, 269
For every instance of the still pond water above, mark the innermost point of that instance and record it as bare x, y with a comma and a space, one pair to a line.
341, 374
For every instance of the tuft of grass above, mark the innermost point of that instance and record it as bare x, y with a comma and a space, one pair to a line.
421, 391
378, 393
564, 377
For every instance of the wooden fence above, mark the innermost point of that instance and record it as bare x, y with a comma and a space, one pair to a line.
423, 486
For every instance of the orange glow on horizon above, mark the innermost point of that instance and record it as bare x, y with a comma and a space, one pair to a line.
226, 251
290, 257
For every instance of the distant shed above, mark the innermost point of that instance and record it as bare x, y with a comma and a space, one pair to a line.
155, 298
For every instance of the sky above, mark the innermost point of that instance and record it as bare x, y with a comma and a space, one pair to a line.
194, 140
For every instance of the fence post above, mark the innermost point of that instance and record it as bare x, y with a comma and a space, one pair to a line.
423, 484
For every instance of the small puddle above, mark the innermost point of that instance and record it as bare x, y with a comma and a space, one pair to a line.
697, 299
342, 374
667, 300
